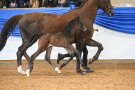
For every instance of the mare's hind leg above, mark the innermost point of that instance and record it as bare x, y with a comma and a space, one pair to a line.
19, 57
47, 58
100, 48
22, 49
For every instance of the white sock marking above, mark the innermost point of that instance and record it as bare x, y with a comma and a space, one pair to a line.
57, 69
28, 72
20, 70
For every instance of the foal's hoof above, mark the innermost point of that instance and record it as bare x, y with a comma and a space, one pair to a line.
60, 57
57, 69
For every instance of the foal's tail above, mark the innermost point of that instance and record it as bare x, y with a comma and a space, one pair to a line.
7, 29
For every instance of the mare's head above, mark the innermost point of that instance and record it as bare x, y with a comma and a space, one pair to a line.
106, 6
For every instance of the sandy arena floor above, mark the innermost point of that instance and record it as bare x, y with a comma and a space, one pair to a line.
108, 75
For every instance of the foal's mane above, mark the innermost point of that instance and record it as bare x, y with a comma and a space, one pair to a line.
67, 31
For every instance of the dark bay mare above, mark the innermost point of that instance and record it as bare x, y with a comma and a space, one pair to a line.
33, 25
65, 39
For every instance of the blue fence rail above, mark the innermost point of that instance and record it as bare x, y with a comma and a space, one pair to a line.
123, 21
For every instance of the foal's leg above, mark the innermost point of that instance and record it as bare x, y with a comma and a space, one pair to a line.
78, 46
95, 44
62, 56
30, 65
26, 56
20, 67
47, 58
28, 59
64, 64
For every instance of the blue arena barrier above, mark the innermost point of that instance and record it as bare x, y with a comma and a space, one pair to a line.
122, 21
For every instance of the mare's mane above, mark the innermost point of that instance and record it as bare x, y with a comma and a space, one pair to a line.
79, 6
82, 4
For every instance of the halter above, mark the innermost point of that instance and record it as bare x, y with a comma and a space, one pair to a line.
107, 8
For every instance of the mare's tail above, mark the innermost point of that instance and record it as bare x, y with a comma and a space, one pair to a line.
7, 29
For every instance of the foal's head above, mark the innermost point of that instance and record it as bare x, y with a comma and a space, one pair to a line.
106, 6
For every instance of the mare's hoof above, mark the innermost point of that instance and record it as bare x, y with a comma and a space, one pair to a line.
28, 72
83, 73
79, 71
31, 69
60, 57
20, 70
89, 71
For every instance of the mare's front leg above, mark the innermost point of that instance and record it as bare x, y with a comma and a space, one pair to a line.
81, 47
47, 58
72, 50
100, 48
85, 53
